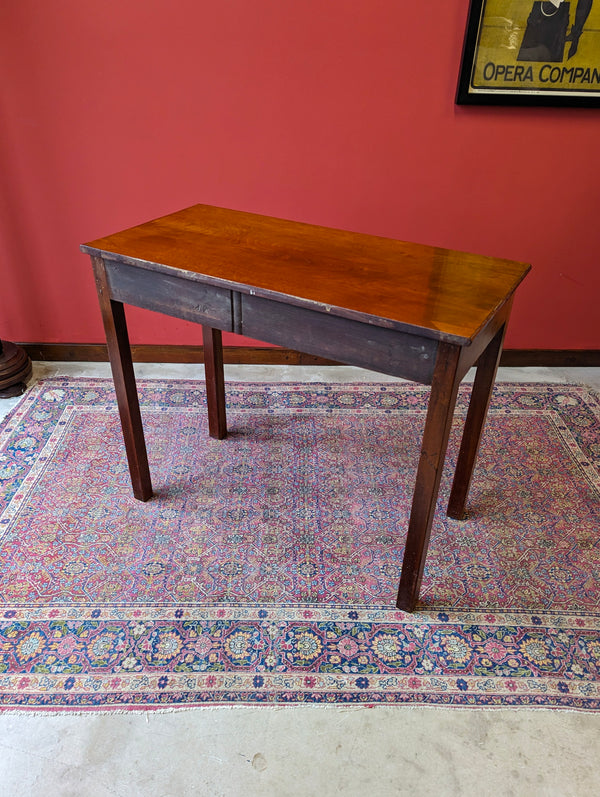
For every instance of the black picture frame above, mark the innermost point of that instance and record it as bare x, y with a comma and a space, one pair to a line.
530, 53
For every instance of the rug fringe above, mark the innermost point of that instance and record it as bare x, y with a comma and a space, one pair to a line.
336, 707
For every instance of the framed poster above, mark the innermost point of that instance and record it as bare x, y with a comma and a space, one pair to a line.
531, 52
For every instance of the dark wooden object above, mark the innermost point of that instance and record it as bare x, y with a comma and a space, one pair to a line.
418, 312
15, 370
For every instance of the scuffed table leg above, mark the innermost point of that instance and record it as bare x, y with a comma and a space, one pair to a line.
215, 382
481, 394
119, 353
438, 423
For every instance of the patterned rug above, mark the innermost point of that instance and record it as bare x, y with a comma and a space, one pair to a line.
266, 566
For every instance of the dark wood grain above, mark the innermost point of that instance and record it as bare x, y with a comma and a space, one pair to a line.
215, 382
117, 339
384, 350
438, 423
481, 394
171, 294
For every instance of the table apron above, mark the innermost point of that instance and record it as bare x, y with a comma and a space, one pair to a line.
170, 294
352, 342
316, 332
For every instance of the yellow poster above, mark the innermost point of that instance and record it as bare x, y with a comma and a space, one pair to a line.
528, 50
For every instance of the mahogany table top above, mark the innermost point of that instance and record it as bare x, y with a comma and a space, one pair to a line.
436, 292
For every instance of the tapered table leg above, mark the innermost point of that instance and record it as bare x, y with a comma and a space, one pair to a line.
215, 382
119, 353
438, 423
481, 394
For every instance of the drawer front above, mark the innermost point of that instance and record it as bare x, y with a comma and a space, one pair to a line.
170, 294
352, 342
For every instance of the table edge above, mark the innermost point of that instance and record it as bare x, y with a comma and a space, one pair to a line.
337, 310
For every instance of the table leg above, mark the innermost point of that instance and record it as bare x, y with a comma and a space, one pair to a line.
215, 382
481, 394
119, 353
438, 423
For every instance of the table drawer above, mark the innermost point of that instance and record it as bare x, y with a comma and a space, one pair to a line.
176, 296
342, 339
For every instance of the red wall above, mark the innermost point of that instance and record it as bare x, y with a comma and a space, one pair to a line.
335, 112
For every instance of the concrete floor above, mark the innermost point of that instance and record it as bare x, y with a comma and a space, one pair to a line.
303, 750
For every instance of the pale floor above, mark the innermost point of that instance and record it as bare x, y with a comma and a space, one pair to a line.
305, 750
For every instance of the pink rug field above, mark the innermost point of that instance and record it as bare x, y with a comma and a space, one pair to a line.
265, 568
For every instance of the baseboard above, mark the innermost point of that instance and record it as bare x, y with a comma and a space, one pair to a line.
551, 358
249, 355
145, 353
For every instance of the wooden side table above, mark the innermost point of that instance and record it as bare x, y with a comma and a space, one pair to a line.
423, 313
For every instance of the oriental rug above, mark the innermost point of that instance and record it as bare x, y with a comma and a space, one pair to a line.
265, 568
